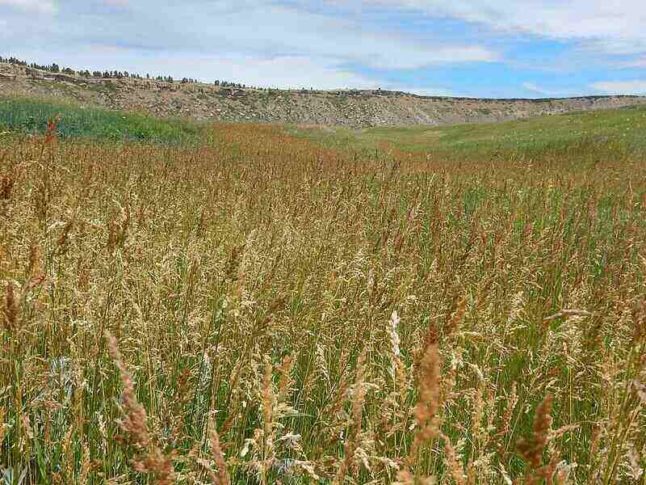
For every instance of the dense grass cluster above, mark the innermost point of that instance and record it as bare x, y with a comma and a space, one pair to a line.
261, 309
30, 116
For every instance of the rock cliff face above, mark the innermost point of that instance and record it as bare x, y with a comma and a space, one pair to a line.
348, 108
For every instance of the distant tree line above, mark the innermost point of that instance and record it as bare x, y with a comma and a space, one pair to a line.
55, 68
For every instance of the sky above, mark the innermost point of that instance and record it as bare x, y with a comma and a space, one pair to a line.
474, 48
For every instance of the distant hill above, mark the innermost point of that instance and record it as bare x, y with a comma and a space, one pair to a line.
201, 101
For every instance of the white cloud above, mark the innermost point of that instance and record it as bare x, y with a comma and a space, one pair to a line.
261, 42
615, 26
35, 6
637, 86
419, 91
264, 26
541, 91
534, 88
640, 62
294, 43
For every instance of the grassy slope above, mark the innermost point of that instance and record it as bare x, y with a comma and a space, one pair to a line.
624, 128
31, 115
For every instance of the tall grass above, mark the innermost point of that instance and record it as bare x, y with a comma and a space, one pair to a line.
265, 310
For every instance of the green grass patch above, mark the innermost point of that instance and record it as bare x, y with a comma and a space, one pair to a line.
624, 129
28, 115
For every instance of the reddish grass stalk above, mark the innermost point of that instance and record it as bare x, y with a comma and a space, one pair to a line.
150, 459
221, 477
426, 409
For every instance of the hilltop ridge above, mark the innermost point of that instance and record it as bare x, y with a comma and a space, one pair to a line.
351, 108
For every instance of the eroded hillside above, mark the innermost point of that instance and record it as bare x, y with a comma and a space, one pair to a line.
346, 108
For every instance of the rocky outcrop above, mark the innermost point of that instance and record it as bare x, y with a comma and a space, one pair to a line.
349, 108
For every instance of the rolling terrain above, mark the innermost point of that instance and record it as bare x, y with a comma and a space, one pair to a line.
355, 109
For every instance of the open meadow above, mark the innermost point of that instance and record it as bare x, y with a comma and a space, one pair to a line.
233, 303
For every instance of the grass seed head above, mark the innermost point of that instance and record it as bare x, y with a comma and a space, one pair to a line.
150, 458
10, 311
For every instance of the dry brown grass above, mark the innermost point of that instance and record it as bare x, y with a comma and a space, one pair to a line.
286, 313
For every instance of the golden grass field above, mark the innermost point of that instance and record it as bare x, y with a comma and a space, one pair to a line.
260, 308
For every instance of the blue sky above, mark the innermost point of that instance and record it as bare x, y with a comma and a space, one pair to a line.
487, 48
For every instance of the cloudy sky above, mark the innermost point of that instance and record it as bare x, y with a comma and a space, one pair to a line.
490, 48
